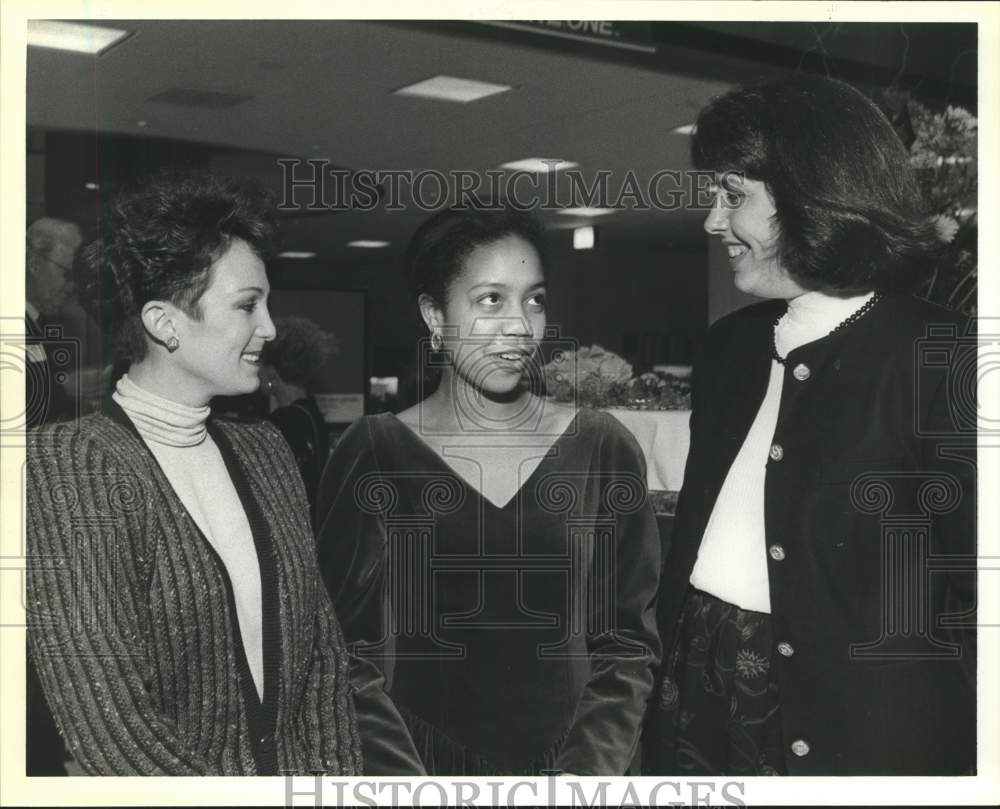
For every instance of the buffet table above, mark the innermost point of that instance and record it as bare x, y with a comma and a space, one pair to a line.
664, 439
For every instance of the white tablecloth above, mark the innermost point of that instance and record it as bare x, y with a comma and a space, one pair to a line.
664, 438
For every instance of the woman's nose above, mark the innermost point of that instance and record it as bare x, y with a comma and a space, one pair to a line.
718, 218
515, 325
266, 327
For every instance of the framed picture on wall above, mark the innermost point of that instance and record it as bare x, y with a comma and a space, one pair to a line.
342, 387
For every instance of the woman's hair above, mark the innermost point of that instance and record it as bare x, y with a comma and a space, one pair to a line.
300, 350
849, 211
438, 249
158, 241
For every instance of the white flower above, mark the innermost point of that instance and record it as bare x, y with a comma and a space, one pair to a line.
750, 664
946, 227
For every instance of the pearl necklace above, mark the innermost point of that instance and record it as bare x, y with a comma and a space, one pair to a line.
843, 324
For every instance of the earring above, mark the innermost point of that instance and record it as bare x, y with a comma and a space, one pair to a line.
173, 344
437, 343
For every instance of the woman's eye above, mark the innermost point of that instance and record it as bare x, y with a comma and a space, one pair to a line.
732, 199
490, 299
537, 301
249, 306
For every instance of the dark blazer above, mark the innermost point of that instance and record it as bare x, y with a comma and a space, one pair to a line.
871, 534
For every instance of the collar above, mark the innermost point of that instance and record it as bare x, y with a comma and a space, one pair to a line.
160, 420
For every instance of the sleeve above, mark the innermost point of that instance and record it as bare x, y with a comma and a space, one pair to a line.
947, 432
351, 553
85, 599
624, 644
329, 686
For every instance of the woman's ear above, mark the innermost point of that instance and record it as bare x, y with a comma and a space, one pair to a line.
159, 319
430, 312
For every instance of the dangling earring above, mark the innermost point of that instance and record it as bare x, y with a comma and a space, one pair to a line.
437, 343
173, 344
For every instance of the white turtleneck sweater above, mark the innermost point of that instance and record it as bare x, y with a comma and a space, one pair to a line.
176, 435
732, 558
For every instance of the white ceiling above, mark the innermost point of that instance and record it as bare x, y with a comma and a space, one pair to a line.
324, 89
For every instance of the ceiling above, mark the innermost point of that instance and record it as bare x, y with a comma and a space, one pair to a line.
324, 90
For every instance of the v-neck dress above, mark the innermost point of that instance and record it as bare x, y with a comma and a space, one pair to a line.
521, 637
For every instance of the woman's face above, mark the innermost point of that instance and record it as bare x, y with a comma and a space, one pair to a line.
219, 355
743, 217
495, 314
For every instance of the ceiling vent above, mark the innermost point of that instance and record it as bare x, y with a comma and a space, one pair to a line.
205, 99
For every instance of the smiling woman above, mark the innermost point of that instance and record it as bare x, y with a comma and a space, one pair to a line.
786, 593
495, 548
211, 646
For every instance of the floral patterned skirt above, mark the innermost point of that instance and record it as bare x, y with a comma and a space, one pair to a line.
717, 711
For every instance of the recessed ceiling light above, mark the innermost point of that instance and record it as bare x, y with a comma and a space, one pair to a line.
142, 124
72, 36
539, 165
584, 238
452, 88
296, 254
687, 129
368, 243
585, 211
91, 186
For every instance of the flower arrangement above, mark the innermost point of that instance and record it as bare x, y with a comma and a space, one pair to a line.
595, 377
943, 152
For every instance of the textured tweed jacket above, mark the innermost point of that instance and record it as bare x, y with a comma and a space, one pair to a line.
132, 622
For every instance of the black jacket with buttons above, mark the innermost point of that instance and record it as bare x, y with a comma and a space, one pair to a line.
871, 533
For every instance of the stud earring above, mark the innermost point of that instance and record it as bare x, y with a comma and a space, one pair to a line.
437, 343
173, 344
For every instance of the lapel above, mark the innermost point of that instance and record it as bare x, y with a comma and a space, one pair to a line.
261, 714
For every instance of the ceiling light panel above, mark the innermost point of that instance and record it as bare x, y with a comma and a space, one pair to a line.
452, 88
539, 165
585, 211
72, 36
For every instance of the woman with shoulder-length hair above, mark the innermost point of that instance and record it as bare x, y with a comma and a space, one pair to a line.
496, 549
806, 635
176, 612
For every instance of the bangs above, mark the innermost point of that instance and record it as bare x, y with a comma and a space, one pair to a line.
727, 139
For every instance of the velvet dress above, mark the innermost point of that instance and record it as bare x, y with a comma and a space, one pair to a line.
520, 638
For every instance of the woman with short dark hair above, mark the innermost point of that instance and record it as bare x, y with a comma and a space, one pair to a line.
177, 616
793, 646
496, 549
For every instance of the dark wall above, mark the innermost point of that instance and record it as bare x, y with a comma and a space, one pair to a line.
646, 304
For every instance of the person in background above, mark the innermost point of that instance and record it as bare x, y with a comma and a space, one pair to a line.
51, 247
812, 429
48, 289
292, 368
497, 550
189, 632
